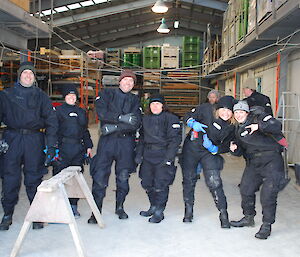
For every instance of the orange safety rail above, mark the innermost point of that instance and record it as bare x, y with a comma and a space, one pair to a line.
277, 83
29, 56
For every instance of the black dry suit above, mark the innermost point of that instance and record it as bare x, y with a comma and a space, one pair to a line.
30, 119
159, 142
264, 163
220, 133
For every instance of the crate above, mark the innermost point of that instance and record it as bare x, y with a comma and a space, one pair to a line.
243, 18
152, 57
151, 79
24, 4
113, 57
132, 49
169, 62
251, 15
170, 51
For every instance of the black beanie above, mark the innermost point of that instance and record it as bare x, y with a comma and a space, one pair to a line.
226, 101
69, 89
157, 98
26, 66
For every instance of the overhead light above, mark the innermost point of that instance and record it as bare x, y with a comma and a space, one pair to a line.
163, 28
176, 24
61, 9
160, 7
74, 6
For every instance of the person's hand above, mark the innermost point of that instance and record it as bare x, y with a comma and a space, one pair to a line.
89, 152
108, 129
233, 146
252, 127
196, 126
129, 118
3, 146
207, 143
50, 154
138, 159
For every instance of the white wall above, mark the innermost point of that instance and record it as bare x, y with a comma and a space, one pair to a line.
267, 73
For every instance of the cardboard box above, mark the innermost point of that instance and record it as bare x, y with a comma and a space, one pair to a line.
24, 4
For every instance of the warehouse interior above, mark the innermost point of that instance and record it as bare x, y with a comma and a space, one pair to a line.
203, 45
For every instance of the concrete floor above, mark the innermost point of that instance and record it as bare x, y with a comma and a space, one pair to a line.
136, 237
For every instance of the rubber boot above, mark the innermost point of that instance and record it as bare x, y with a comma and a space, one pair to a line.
224, 219
75, 211
246, 221
92, 220
264, 231
188, 212
37, 225
120, 211
6, 222
158, 216
148, 213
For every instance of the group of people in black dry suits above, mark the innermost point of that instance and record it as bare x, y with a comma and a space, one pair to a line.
216, 127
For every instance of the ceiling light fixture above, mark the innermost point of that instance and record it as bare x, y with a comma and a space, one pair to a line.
176, 24
160, 7
163, 28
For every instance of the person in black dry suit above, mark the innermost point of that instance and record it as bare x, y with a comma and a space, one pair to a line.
210, 135
160, 137
120, 115
30, 119
255, 98
260, 140
74, 139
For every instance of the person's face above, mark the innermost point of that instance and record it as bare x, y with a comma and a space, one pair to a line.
225, 114
126, 84
70, 99
27, 78
156, 107
240, 116
212, 98
247, 92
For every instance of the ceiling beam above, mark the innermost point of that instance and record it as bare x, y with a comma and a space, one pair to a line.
140, 19
12, 39
120, 8
119, 35
213, 4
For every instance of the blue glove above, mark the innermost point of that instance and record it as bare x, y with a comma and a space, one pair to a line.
51, 155
207, 143
196, 126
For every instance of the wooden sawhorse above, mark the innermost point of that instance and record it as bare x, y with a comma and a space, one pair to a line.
51, 204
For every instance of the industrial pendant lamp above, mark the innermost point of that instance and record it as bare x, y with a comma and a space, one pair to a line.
163, 28
160, 7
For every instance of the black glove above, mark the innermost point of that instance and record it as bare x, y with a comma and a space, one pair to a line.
128, 119
108, 129
87, 159
138, 159
3, 146
50, 154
